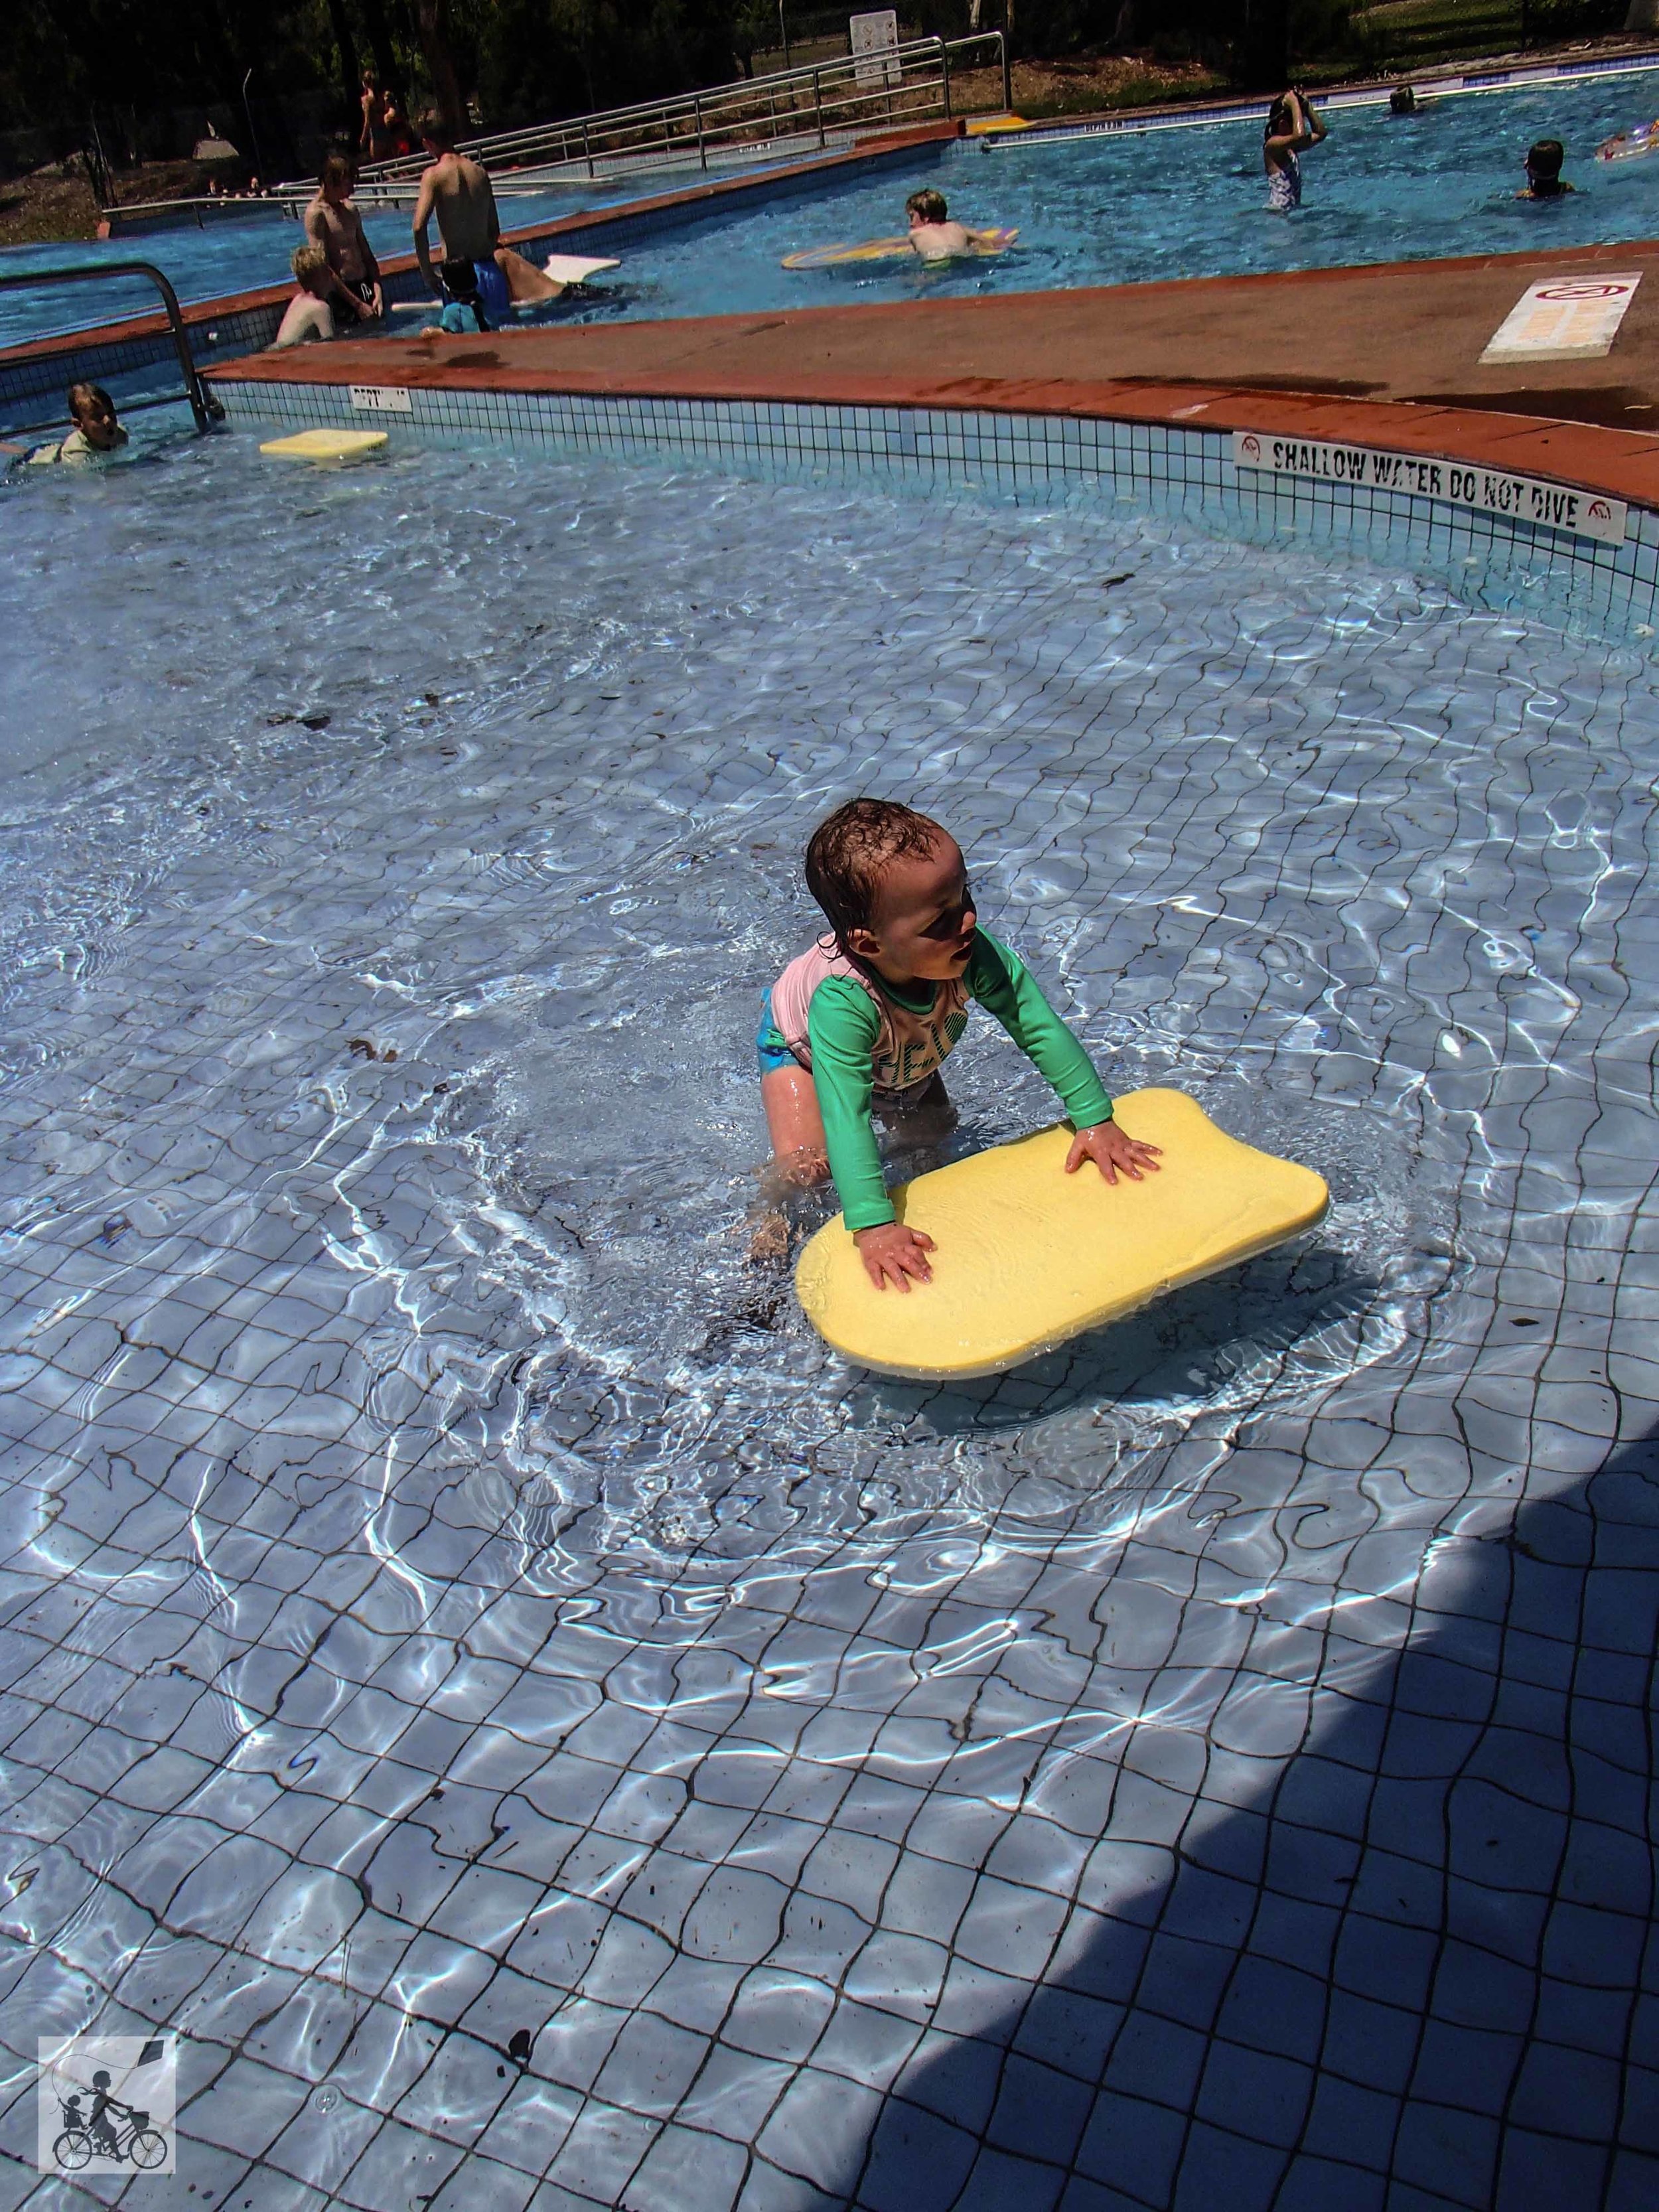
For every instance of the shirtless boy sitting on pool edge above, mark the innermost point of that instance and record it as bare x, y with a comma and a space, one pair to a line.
862, 1021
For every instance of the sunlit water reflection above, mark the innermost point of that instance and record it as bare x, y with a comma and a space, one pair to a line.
432, 1542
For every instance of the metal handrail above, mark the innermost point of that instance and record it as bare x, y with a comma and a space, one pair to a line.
202, 404
747, 110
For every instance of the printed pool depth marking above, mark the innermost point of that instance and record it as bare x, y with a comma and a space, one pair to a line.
1564, 319
381, 399
1460, 483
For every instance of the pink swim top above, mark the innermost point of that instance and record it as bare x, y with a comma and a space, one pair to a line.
910, 1046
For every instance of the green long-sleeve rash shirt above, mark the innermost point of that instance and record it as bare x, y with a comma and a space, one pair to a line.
843, 1024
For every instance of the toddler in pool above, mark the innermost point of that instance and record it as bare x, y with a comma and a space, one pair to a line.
863, 1019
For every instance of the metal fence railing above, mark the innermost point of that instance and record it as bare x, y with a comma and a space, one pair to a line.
792, 109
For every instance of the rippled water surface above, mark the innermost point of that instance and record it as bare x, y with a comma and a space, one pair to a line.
526, 1715
1114, 210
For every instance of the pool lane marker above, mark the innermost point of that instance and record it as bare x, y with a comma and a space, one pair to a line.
1564, 319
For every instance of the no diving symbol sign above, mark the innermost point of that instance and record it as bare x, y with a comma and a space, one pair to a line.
1564, 319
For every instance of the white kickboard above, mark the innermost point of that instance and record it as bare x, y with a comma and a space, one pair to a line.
571, 269
1569, 318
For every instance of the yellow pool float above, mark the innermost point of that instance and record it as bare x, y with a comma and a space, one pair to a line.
1028, 1255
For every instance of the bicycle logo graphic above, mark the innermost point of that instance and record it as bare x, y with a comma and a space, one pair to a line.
111, 2130
105, 2103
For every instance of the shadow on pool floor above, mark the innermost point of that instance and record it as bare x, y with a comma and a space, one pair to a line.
1192, 1346
1410, 1975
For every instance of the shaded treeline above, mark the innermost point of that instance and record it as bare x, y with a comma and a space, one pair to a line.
509, 62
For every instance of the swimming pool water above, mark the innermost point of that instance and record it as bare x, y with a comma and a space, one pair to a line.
1125, 209
230, 255
449, 1596
1110, 211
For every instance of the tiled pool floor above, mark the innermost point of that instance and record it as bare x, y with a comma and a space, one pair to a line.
541, 1730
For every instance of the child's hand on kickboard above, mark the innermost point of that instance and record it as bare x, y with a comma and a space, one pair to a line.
890, 1251
1112, 1153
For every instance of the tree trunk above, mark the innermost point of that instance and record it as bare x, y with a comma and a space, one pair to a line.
432, 20
386, 54
340, 24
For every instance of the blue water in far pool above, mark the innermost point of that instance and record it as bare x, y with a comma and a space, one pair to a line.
478, 1673
231, 254
1123, 210
1109, 210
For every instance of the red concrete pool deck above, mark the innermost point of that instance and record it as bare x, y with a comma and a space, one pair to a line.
1382, 356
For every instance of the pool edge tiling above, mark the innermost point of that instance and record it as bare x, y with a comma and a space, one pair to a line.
1052, 441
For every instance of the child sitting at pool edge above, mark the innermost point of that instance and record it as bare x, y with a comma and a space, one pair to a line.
864, 1019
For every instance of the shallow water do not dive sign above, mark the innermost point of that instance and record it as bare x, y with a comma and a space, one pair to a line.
1564, 319
1460, 483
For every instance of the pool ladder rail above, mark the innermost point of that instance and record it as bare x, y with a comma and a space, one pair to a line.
202, 404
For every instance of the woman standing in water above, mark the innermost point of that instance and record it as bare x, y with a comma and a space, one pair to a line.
1293, 127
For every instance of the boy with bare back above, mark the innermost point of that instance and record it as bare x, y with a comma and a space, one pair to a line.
478, 275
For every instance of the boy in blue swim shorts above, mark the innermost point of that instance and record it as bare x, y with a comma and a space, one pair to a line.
862, 1021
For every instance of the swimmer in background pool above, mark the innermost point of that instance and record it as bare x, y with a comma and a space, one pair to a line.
1293, 127
478, 275
934, 237
96, 433
1544, 177
861, 1021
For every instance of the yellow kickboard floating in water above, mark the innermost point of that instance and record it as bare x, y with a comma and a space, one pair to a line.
1028, 1255
894, 249
324, 444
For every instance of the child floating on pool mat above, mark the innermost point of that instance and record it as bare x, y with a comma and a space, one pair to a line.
866, 1016
932, 237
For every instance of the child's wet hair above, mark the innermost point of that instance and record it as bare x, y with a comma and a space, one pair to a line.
847, 855
928, 205
78, 393
1545, 159
308, 261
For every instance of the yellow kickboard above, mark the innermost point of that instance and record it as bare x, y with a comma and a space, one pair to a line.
1028, 1255
323, 444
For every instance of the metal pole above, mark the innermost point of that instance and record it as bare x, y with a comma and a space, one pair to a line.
252, 133
1007, 73
202, 404
587, 147
702, 149
817, 102
944, 76
783, 32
